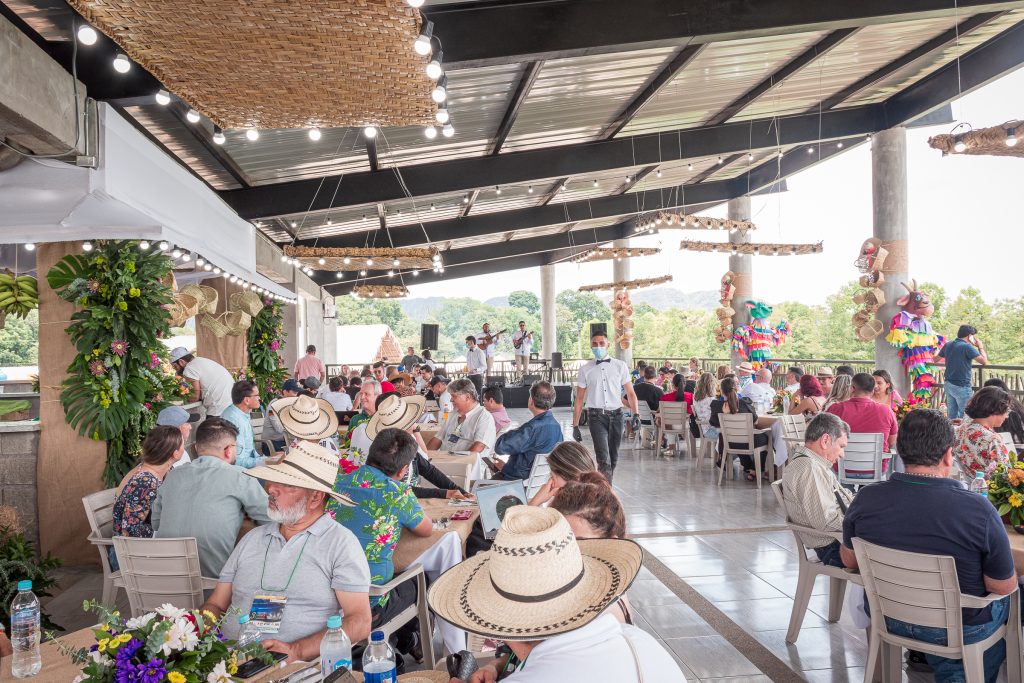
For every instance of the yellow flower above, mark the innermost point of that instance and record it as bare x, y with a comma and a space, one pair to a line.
175, 677
209, 615
134, 292
1016, 500
123, 638
102, 645
123, 305
233, 664
97, 352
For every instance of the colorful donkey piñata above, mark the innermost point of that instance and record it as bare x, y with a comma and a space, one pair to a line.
913, 336
754, 342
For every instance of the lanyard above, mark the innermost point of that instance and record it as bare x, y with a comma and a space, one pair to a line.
294, 567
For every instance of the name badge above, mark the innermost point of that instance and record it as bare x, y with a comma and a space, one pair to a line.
453, 438
266, 612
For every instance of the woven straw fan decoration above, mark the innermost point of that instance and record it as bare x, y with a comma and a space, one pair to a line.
869, 262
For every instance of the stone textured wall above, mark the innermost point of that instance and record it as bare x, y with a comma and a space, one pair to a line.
18, 453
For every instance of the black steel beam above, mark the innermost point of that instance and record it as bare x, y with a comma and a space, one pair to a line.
634, 179
468, 206
179, 109
495, 32
522, 91
371, 153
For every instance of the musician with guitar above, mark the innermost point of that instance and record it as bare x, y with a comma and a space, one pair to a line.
488, 343
522, 341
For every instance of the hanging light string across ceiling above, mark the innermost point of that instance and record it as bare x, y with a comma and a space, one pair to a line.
754, 248
617, 253
628, 284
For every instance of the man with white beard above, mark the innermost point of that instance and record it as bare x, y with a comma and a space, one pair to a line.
292, 574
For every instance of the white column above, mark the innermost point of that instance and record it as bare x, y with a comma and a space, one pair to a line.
549, 338
740, 264
620, 273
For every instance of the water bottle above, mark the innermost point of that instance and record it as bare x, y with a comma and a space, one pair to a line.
25, 632
979, 485
249, 634
335, 648
379, 660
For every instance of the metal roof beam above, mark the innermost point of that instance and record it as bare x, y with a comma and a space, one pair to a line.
522, 91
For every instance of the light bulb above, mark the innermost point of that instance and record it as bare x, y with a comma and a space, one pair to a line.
422, 44
959, 145
144, 245
839, 145
465, 200
207, 267
529, 190
497, 189
314, 134
218, 136
176, 253
434, 70
396, 262
628, 178
186, 258
321, 261
810, 150
330, 221
435, 257
163, 246
216, 271
689, 167
86, 246
781, 154
200, 261
595, 182
415, 3
192, 115
369, 261
441, 269
430, 132
363, 273
284, 259
121, 63
232, 279
442, 115
440, 92
87, 35
719, 159
415, 273
1011, 137
391, 273
750, 156
346, 260
252, 135
370, 132
433, 207
163, 98
338, 275
658, 173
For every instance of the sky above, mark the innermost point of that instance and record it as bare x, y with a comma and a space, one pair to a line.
965, 222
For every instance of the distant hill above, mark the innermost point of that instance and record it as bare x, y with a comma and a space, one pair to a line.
664, 298
498, 302
419, 309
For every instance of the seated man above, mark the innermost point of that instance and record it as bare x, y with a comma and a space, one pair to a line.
210, 498
471, 428
336, 394
926, 510
540, 435
245, 398
384, 507
760, 391
646, 388
302, 582
810, 486
793, 376
864, 415
423, 377
494, 403
273, 430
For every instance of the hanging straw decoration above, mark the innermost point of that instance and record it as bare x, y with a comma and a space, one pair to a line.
380, 291
1000, 141
628, 284
682, 221
606, 254
334, 258
755, 248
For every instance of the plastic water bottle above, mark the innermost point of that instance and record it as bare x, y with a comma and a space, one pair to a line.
25, 632
249, 634
379, 660
335, 648
979, 485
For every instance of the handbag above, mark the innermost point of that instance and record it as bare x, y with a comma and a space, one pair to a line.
694, 427
461, 665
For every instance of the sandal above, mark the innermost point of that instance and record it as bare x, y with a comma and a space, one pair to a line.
750, 476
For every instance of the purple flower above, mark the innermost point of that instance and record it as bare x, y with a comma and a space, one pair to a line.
97, 368
153, 672
127, 672
129, 649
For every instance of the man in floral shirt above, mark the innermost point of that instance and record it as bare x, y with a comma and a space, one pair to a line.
385, 506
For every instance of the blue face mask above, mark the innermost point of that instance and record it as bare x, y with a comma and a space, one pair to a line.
599, 352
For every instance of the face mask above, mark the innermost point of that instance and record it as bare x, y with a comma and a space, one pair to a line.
599, 352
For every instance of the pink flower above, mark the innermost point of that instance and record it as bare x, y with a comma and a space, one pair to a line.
97, 368
148, 405
347, 466
275, 345
119, 346
154, 360
364, 484
382, 539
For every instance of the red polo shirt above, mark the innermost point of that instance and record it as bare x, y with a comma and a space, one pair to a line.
865, 416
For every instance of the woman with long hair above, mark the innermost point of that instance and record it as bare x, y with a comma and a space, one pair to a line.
568, 462
885, 393
842, 390
704, 394
812, 398
733, 404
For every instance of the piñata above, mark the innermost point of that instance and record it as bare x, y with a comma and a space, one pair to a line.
915, 340
754, 342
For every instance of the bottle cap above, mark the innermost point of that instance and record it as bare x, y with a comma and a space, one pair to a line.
334, 621
24, 585
244, 619
377, 637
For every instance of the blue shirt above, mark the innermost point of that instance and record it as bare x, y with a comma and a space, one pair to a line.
540, 435
958, 354
383, 508
935, 517
246, 455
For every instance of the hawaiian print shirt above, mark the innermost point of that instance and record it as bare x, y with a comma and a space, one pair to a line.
978, 448
383, 508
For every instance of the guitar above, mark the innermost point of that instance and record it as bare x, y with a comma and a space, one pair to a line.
490, 339
519, 342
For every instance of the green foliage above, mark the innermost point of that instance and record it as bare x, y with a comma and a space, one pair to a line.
115, 383
18, 563
527, 301
265, 339
582, 308
19, 340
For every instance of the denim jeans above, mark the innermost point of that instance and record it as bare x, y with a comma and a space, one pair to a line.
829, 554
606, 432
956, 400
952, 670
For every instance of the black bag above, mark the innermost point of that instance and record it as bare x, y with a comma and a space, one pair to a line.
694, 427
461, 665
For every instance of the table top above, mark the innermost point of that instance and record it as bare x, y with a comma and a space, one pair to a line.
410, 547
444, 456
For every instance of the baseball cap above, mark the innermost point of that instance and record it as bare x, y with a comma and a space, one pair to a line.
439, 379
291, 385
175, 416
311, 383
178, 353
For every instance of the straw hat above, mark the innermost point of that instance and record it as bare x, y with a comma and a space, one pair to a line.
305, 417
397, 412
745, 366
537, 581
825, 371
309, 466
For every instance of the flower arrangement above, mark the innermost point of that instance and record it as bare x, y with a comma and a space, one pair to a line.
1006, 490
912, 402
782, 401
265, 340
170, 644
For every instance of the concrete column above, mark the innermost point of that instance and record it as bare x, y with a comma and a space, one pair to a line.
620, 273
739, 210
549, 336
890, 224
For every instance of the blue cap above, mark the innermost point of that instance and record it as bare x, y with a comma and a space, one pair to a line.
334, 621
244, 619
175, 416
27, 586
291, 385
377, 637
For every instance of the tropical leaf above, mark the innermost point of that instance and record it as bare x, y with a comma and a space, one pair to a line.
67, 270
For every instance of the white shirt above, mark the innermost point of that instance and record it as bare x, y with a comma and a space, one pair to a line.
489, 351
339, 399
476, 361
183, 460
526, 347
429, 362
599, 652
793, 388
215, 384
478, 426
444, 402
761, 395
603, 382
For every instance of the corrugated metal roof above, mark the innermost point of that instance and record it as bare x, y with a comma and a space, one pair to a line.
582, 187
674, 173
573, 99
286, 154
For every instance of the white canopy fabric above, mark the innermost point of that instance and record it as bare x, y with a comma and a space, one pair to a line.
137, 192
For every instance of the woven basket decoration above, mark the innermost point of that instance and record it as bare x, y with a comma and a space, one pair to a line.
985, 141
206, 297
273, 64
215, 326
247, 302
334, 258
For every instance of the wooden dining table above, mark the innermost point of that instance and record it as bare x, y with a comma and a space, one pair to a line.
410, 547
467, 466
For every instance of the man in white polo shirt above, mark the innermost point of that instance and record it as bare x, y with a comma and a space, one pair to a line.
599, 384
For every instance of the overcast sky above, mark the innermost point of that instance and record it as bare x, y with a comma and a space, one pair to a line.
966, 223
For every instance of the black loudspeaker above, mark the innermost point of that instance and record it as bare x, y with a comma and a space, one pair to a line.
428, 337
495, 381
528, 380
556, 360
598, 328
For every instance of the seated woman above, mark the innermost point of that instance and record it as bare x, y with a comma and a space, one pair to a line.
977, 447
732, 404
1015, 420
568, 462
842, 390
812, 398
884, 391
679, 393
704, 394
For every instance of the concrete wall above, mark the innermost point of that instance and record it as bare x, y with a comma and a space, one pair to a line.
19, 449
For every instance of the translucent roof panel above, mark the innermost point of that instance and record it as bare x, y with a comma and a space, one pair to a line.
282, 155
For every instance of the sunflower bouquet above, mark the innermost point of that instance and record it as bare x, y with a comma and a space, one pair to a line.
1006, 490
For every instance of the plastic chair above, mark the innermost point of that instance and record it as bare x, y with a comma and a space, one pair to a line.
99, 510
646, 423
810, 569
673, 420
540, 472
924, 590
862, 463
159, 570
706, 445
739, 429
793, 429
419, 610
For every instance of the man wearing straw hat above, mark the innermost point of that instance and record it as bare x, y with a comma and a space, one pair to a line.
293, 574
544, 593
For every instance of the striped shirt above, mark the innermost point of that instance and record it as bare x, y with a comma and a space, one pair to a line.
809, 486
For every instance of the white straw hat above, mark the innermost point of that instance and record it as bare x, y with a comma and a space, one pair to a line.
537, 581
305, 417
310, 466
395, 411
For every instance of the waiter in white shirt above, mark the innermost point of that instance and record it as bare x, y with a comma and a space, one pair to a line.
599, 384
522, 342
476, 364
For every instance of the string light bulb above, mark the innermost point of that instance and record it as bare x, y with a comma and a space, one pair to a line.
315, 134
442, 115
192, 115
1011, 137
176, 253
144, 245
87, 35
440, 92
363, 273
121, 63
163, 246
369, 262
346, 260
839, 145
321, 261
658, 173
86, 246
218, 136
497, 189
959, 145
252, 135
163, 98
186, 258
422, 43
396, 263
434, 68
448, 130
430, 132
415, 4
689, 166
370, 132
200, 261
529, 190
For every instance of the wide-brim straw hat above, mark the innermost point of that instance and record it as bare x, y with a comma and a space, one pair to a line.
305, 417
537, 581
825, 371
745, 366
310, 466
397, 412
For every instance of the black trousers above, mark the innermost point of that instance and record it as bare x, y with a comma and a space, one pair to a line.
606, 432
478, 382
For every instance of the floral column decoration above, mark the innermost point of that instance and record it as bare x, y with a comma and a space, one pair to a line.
118, 381
265, 340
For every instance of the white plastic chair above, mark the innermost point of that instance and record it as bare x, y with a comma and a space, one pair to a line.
673, 420
811, 568
540, 472
419, 610
99, 510
707, 445
160, 570
739, 429
924, 590
793, 429
646, 423
862, 463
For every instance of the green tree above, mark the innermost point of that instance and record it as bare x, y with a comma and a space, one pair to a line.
19, 340
582, 308
525, 300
